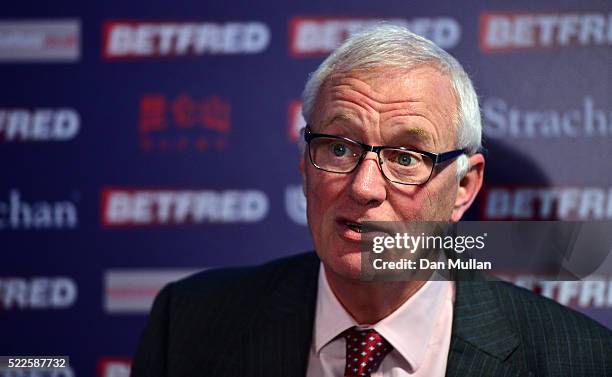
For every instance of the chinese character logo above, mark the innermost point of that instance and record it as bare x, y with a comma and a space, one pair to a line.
183, 123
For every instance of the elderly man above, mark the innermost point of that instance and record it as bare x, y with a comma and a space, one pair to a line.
393, 134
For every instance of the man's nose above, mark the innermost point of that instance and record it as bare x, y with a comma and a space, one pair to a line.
368, 186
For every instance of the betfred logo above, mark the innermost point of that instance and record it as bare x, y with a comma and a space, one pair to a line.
183, 123
21, 125
133, 291
505, 31
150, 39
594, 293
296, 120
318, 36
17, 213
114, 366
123, 207
547, 203
36, 293
37, 41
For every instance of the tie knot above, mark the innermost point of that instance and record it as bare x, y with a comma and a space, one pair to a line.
365, 350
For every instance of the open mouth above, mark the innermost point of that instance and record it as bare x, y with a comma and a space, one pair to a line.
354, 226
371, 228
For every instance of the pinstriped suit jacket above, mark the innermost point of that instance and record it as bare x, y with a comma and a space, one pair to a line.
258, 322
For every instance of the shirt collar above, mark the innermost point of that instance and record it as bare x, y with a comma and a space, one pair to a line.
331, 318
408, 329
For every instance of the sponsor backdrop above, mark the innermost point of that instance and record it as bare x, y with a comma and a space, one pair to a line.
143, 141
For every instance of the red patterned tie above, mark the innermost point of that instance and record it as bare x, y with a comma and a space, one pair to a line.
365, 350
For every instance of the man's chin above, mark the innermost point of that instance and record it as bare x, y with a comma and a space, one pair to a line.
344, 267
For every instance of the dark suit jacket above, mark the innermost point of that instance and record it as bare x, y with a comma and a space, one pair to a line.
258, 322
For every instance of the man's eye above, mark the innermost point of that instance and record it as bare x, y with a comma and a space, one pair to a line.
339, 149
406, 160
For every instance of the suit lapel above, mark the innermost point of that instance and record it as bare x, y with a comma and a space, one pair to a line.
278, 342
482, 338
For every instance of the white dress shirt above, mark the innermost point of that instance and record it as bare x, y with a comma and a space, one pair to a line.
419, 331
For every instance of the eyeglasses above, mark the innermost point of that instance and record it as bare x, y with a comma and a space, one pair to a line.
337, 154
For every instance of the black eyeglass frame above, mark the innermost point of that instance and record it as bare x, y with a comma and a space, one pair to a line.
437, 158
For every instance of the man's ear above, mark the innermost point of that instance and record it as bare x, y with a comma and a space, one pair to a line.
469, 186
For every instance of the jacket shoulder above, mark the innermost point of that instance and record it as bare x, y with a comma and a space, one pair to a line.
212, 304
554, 337
241, 281
521, 304
232, 296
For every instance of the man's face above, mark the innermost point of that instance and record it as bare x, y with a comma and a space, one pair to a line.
412, 109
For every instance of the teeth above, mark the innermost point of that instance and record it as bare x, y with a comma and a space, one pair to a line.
353, 226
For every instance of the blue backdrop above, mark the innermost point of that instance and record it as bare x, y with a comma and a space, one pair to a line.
141, 141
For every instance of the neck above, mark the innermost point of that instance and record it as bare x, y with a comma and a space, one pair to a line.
369, 302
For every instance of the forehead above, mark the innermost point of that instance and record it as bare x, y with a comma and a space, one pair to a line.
386, 100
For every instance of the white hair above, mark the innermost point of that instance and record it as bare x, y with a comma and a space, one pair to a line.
397, 47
